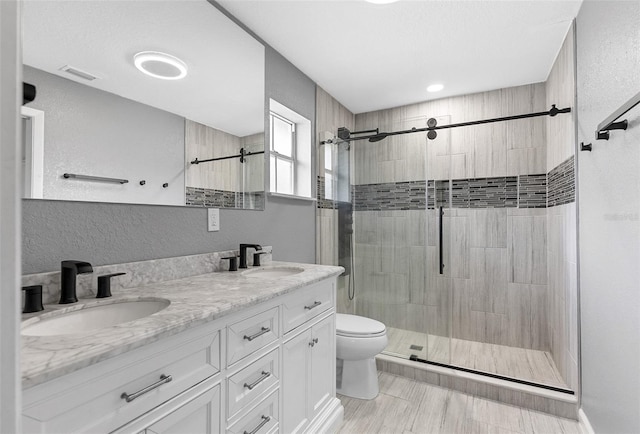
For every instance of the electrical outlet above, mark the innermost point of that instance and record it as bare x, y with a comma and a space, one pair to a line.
213, 220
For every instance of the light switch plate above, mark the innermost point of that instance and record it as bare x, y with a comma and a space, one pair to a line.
213, 219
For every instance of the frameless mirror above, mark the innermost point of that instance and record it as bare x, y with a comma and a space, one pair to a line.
103, 130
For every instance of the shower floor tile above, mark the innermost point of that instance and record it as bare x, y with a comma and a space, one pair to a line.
406, 406
520, 363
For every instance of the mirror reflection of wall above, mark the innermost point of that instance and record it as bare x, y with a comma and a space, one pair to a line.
225, 183
92, 132
107, 119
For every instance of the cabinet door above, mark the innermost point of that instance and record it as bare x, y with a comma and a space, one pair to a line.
323, 368
295, 384
199, 416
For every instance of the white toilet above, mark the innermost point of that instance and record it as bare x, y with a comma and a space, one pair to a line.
358, 340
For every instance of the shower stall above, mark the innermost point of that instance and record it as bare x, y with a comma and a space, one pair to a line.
460, 242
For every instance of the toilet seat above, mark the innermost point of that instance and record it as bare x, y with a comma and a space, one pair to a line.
354, 326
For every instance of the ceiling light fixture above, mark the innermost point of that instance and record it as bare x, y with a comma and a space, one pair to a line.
435, 87
160, 65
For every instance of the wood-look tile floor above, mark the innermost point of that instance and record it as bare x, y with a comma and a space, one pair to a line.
406, 406
521, 363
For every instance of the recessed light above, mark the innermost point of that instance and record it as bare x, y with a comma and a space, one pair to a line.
160, 65
435, 87
382, 2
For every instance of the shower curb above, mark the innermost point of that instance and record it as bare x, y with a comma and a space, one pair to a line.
507, 392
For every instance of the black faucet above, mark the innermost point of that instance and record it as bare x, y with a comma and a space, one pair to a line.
243, 253
32, 299
70, 269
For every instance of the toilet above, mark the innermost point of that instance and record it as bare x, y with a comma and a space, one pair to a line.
358, 340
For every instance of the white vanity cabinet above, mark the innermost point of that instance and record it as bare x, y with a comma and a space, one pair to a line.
109, 394
196, 411
309, 357
263, 369
309, 375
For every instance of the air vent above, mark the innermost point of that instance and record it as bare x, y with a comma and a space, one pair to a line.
78, 73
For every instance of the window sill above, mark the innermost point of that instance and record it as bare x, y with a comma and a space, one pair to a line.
292, 196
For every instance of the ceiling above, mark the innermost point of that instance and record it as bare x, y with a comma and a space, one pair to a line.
225, 84
371, 57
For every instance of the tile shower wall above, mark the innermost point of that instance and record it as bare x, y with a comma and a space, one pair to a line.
498, 224
506, 286
562, 288
330, 115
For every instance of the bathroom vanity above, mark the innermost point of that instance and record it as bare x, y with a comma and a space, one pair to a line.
232, 352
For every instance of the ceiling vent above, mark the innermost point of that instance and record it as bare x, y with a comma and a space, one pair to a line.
78, 73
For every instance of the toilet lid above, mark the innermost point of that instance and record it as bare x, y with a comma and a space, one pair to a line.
353, 325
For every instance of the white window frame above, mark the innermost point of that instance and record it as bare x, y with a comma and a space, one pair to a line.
278, 156
302, 153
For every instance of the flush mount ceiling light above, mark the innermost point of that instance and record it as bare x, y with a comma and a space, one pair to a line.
435, 87
160, 65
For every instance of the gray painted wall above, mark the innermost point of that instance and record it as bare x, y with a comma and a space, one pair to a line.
608, 44
114, 233
93, 132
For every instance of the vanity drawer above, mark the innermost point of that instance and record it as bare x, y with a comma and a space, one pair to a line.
87, 401
246, 385
252, 333
301, 306
261, 419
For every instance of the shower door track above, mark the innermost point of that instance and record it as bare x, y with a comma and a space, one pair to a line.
415, 358
346, 135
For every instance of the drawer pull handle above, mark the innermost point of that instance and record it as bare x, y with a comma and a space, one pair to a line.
313, 342
262, 331
265, 420
264, 376
139, 393
313, 306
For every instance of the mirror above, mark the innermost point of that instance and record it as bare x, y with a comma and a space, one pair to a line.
101, 130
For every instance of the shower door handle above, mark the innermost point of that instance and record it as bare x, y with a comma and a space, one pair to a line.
440, 243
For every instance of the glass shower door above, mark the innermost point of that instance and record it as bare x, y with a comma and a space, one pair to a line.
440, 263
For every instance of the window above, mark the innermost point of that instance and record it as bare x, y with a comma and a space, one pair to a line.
289, 152
283, 154
329, 179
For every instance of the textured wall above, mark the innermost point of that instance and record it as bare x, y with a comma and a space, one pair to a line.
562, 268
92, 132
608, 43
107, 234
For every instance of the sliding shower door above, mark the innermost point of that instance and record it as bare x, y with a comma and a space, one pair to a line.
458, 239
441, 263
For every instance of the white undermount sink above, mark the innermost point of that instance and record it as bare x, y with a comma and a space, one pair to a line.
273, 272
95, 316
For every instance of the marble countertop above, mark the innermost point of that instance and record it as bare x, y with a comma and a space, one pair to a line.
194, 300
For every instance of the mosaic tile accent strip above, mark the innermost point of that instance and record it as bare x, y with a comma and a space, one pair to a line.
498, 192
524, 191
322, 202
441, 193
532, 191
562, 184
493, 192
430, 194
212, 198
390, 196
